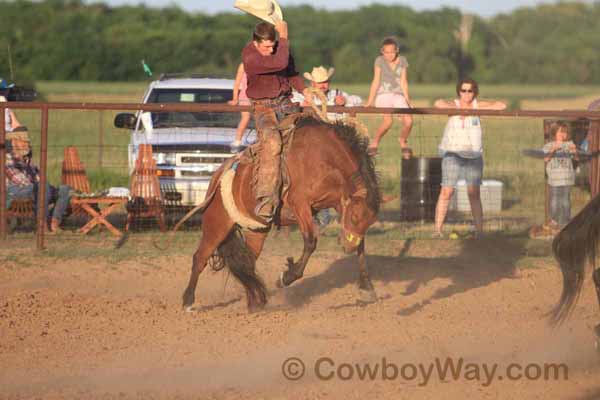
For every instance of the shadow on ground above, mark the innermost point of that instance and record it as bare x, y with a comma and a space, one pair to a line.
479, 263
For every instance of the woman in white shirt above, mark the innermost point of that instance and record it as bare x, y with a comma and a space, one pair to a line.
461, 149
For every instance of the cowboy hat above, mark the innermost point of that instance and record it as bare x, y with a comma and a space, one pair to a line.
267, 10
319, 74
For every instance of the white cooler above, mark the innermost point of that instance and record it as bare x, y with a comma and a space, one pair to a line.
491, 197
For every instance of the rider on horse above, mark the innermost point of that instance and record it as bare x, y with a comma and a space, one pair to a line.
271, 73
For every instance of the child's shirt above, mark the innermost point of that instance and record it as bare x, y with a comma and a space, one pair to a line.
390, 76
560, 167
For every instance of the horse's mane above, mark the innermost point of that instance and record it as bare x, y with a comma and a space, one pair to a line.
358, 146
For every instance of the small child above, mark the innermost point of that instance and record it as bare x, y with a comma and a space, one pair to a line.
558, 155
240, 97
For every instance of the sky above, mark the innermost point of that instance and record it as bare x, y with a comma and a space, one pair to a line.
481, 7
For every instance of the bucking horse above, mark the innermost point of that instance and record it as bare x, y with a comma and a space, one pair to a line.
325, 166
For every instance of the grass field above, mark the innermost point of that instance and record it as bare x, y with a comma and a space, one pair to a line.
504, 138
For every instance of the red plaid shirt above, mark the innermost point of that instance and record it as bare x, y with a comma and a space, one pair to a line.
18, 173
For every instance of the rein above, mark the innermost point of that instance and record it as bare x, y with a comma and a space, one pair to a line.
346, 119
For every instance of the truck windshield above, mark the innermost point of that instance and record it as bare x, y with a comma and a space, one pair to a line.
193, 119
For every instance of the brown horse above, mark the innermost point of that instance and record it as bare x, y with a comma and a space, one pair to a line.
575, 246
328, 167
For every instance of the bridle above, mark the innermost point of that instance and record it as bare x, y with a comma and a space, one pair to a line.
349, 235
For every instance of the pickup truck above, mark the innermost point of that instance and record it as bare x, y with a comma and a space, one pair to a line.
187, 146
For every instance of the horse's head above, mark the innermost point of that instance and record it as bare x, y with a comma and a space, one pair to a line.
357, 217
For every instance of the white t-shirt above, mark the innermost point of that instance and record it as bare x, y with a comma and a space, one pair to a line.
462, 135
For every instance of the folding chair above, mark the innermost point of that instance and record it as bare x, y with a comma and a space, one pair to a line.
146, 199
73, 171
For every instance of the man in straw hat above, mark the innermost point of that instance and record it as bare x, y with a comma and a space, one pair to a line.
320, 78
271, 73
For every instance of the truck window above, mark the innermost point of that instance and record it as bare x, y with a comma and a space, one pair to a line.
193, 119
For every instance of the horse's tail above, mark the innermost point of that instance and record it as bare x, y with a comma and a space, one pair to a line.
242, 264
210, 194
573, 247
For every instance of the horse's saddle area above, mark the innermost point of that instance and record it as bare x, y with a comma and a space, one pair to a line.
250, 156
287, 127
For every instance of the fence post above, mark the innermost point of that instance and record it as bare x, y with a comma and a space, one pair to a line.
101, 138
41, 200
3, 228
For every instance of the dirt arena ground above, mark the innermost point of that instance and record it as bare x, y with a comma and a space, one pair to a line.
93, 329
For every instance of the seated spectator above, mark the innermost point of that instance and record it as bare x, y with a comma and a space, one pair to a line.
22, 182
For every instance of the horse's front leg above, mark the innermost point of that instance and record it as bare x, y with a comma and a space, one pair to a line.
367, 291
295, 270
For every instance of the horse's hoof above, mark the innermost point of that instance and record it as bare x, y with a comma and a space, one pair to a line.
280, 284
368, 296
189, 309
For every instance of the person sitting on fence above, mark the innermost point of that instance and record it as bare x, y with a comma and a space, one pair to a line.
22, 182
320, 78
558, 155
389, 89
462, 151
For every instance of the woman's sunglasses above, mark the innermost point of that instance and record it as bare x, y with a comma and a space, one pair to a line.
466, 91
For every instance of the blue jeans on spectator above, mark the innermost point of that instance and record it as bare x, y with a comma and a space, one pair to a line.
14, 192
59, 196
560, 204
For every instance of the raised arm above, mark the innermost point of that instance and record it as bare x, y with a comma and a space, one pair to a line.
374, 85
13, 119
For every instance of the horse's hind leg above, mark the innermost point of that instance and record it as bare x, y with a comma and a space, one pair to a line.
215, 228
596, 276
295, 271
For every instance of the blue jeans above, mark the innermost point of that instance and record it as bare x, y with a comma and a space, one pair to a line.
59, 196
560, 204
323, 217
455, 167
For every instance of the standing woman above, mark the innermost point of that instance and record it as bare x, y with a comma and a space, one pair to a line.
462, 150
389, 88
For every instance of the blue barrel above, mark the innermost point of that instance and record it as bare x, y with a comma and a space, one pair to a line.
420, 188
